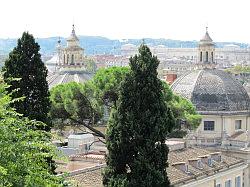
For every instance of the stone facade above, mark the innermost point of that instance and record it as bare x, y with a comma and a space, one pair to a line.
221, 100
68, 64
72, 54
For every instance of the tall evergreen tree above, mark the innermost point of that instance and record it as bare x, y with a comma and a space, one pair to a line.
26, 74
138, 128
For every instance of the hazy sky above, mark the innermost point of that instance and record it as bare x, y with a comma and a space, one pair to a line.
227, 20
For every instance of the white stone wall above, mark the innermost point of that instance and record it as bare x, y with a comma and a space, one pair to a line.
226, 122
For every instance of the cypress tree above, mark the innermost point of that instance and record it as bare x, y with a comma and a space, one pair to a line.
26, 74
137, 129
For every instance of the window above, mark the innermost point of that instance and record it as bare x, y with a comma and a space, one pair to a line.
72, 59
201, 57
218, 185
208, 125
199, 164
212, 56
186, 168
209, 161
237, 181
228, 183
206, 56
67, 58
238, 124
219, 158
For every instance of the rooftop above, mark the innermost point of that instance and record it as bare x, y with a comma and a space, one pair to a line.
63, 77
213, 92
175, 173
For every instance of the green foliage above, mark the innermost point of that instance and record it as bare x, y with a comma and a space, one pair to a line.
25, 63
105, 87
24, 151
183, 110
239, 69
71, 105
138, 128
106, 84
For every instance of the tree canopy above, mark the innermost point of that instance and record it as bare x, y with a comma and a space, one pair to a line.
138, 127
103, 91
26, 74
24, 150
186, 117
239, 69
71, 105
106, 82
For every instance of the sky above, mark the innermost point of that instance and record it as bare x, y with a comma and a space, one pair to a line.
227, 20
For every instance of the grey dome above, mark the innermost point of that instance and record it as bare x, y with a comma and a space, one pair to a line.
55, 78
213, 92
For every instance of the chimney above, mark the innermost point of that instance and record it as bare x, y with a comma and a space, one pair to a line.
183, 166
216, 156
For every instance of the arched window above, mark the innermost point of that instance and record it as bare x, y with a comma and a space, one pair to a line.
72, 59
206, 56
212, 56
67, 58
201, 57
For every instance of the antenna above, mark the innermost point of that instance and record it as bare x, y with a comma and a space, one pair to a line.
58, 52
206, 26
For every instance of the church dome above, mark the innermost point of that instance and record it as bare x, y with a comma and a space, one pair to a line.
213, 92
56, 78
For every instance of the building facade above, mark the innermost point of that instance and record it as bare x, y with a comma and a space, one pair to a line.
72, 54
68, 64
221, 100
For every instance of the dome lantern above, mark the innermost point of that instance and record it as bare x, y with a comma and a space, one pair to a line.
206, 51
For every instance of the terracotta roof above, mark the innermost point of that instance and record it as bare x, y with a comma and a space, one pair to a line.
177, 176
88, 179
93, 178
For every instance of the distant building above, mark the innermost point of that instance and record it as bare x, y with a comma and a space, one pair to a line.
67, 65
106, 61
170, 78
72, 54
221, 100
227, 56
128, 50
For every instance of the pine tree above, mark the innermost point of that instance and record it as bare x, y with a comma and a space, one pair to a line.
138, 128
26, 74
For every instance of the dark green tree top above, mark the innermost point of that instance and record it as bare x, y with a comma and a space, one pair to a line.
138, 128
26, 74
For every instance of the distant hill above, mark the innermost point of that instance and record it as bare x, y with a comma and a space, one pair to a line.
102, 45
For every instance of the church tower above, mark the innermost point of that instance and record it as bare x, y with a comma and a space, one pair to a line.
73, 54
206, 50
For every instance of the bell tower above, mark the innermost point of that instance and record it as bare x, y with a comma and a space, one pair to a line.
206, 51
